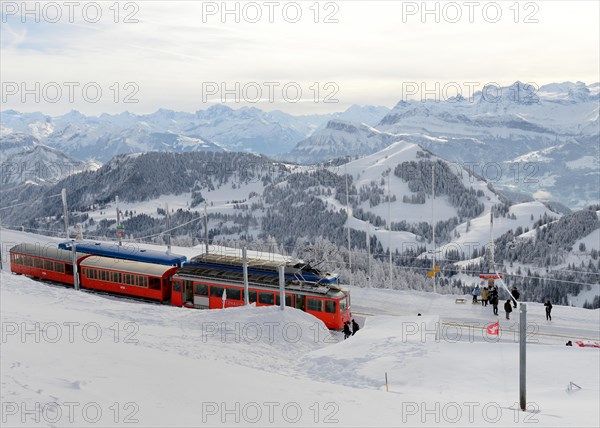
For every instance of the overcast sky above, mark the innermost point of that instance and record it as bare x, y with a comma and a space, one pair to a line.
180, 54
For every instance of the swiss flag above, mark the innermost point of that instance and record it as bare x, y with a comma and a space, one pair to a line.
493, 328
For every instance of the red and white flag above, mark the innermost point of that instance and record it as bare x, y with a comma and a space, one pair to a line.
493, 328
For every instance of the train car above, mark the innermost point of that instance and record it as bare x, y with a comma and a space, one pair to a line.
126, 252
295, 269
145, 280
44, 262
213, 287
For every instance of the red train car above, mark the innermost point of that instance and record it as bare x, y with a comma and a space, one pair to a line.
43, 262
146, 280
203, 289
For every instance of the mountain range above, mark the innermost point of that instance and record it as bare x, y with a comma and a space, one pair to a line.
540, 142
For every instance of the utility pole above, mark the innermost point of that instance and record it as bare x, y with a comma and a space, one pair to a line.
75, 269
368, 255
119, 228
168, 229
245, 270
348, 213
282, 287
65, 211
390, 228
205, 227
433, 267
491, 253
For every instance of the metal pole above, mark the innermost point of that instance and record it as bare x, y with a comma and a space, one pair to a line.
522, 355
433, 223
75, 270
348, 213
282, 287
368, 255
206, 227
168, 229
119, 235
245, 270
491, 254
390, 228
65, 211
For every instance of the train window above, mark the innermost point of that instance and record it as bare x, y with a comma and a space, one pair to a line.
177, 287
154, 283
60, 267
116, 277
314, 305
47, 264
330, 306
38, 263
288, 300
251, 296
104, 275
343, 304
216, 291
69, 269
234, 293
265, 298
201, 289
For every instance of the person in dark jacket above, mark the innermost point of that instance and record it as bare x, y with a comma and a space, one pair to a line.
355, 327
347, 332
494, 302
516, 295
548, 306
508, 309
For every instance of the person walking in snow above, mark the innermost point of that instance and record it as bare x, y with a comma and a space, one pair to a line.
347, 332
355, 327
475, 294
484, 296
516, 295
548, 306
494, 302
508, 308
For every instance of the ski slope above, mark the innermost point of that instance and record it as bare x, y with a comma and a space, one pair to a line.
84, 359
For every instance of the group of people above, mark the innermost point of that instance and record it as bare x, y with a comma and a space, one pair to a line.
490, 295
347, 331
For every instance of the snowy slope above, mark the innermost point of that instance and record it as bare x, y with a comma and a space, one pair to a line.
166, 366
374, 167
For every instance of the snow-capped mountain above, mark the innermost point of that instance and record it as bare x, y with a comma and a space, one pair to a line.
41, 165
339, 138
217, 128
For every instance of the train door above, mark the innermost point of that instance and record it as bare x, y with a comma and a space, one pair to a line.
188, 293
300, 302
176, 294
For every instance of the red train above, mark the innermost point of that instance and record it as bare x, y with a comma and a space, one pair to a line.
210, 282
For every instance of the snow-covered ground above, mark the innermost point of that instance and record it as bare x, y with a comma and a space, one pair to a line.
77, 358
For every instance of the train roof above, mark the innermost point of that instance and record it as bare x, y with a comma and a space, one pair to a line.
294, 267
126, 252
129, 266
46, 251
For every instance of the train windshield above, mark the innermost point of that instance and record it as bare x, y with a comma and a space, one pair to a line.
343, 304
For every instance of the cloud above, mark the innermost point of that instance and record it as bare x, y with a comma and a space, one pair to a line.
543, 195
